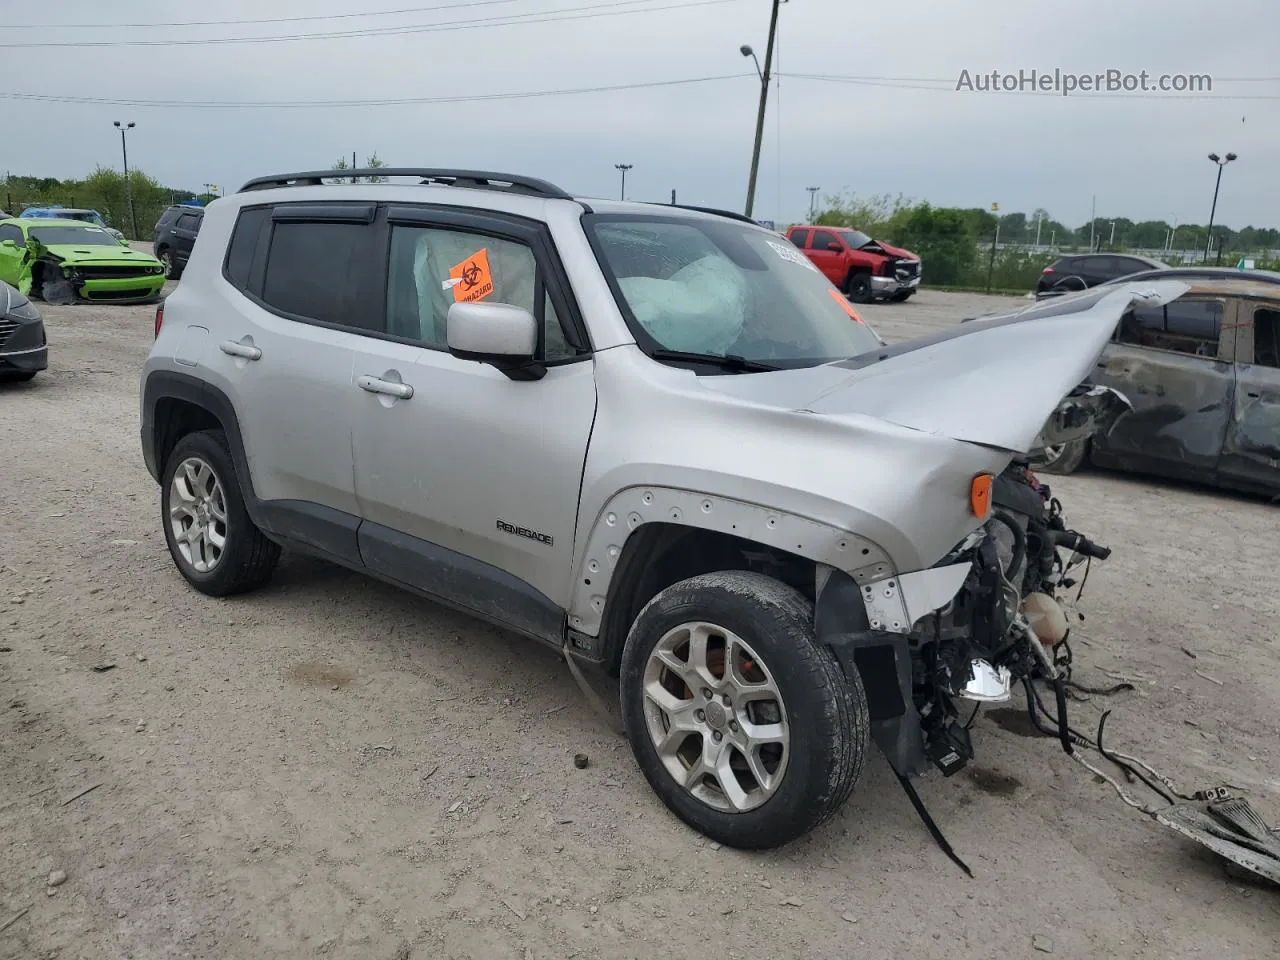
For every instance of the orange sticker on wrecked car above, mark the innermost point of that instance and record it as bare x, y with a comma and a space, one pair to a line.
471, 279
845, 305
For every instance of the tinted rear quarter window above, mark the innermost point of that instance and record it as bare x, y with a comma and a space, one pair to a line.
244, 244
800, 238
318, 271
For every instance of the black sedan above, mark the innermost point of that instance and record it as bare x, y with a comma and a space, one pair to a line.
1078, 272
23, 350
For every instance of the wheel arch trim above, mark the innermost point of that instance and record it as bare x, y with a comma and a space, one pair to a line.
633, 507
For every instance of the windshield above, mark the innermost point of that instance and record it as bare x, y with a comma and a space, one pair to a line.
854, 238
86, 215
724, 288
82, 236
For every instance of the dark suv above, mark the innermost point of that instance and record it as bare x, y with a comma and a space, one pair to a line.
175, 234
1075, 273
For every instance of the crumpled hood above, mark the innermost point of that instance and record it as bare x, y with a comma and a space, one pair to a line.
893, 251
993, 381
72, 253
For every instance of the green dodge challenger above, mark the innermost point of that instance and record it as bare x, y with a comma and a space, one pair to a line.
61, 261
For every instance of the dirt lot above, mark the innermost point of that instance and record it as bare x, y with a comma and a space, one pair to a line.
331, 768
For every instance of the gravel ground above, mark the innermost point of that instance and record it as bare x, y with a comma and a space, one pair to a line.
331, 768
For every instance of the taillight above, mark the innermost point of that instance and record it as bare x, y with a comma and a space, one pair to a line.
1047, 270
159, 317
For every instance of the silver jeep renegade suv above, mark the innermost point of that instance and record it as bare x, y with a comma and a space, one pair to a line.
653, 437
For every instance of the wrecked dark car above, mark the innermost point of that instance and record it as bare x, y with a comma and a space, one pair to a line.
61, 261
23, 350
1202, 374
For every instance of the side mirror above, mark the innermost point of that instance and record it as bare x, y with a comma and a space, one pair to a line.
835, 247
498, 333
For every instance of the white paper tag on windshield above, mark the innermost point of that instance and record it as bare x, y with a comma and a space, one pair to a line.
792, 254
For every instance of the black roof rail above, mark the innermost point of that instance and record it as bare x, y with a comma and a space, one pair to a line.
475, 179
714, 212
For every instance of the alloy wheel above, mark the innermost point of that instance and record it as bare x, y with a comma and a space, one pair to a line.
716, 717
198, 514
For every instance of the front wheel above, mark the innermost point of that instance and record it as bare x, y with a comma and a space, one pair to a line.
857, 287
743, 724
1062, 458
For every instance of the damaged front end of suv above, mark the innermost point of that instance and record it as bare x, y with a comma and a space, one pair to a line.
991, 612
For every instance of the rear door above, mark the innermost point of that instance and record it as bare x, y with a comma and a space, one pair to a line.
299, 277
1251, 454
830, 262
1175, 365
185, 229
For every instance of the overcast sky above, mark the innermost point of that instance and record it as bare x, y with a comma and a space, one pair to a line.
912, 134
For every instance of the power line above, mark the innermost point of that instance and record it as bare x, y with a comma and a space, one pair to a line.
383, 102
592, 12
228, 23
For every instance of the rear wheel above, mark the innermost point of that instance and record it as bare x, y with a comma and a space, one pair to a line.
858, 287
1061, 458
212, 540
743, 724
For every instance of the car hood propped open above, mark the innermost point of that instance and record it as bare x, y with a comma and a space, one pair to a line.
993, 382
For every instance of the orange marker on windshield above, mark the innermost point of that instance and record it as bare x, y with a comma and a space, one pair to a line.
845, 305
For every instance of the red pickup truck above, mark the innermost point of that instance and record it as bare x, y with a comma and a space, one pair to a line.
863, 268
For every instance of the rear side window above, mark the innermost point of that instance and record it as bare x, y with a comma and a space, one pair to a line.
244, 244
188, 221
1266, 338
800, 238
317, 271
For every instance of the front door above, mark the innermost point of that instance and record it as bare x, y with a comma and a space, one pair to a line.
12, 251
1252, 452
468, 481
830, 262
1174, 364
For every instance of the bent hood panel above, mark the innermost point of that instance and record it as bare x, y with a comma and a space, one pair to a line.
893, 251
71, 253
994, 381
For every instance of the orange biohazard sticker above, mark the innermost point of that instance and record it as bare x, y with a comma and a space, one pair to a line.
845, 305
471, 279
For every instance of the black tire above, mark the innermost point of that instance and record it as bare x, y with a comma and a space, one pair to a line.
1065, 461
247, 558
826, 713
857, 286
56, 288
171, 269
19, 377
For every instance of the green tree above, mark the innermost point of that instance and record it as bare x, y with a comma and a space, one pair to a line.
944, 239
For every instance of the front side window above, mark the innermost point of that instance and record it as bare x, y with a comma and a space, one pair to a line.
1183, 326
318, 271
722, 288
432, 268
822, 239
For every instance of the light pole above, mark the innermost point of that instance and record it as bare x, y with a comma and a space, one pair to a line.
128, 185
746, 51
624, 167
1221, 162
813, 202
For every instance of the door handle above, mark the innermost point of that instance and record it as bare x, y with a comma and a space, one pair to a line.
245, 351
401, 391
1254, 394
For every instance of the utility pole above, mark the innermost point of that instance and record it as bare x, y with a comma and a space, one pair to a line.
1112, 241
673, 198
1221, 162
995, 238
128, 184
624, 167
764, 98
1093, 213
1039, 223
813, 202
